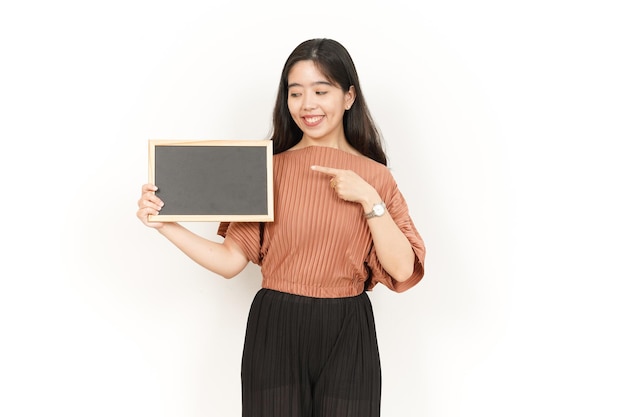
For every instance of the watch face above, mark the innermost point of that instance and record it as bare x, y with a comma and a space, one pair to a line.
379, 210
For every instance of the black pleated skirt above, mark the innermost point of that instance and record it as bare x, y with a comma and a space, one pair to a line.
310, 357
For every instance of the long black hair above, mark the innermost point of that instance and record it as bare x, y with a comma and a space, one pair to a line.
334, 61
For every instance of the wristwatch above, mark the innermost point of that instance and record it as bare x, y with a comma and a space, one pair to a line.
377, 211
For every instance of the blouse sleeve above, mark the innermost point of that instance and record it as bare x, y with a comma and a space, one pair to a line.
246, 235
398, 209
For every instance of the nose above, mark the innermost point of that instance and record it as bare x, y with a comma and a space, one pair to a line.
308, 102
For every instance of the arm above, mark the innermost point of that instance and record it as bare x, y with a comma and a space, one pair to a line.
225, 259
392, 247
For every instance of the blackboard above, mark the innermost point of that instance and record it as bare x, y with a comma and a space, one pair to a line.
213, 180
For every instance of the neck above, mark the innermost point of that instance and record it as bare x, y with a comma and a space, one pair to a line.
342, 145
337, 142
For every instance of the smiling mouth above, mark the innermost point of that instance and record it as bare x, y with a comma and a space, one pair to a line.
312, 120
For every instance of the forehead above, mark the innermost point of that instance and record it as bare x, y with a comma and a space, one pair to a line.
304, 73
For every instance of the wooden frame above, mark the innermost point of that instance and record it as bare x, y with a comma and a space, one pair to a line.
213, 180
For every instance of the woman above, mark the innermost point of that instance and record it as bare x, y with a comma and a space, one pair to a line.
341, 226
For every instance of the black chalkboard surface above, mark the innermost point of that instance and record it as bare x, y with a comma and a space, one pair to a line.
213, 180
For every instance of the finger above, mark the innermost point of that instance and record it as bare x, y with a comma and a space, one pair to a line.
151, 212
148, 187
144, 212
149, 196
155, 200
326, 170
148, 200
152, 205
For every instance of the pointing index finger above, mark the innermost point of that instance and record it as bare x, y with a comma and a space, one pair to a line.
325, 170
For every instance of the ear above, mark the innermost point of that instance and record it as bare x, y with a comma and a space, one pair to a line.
349, 98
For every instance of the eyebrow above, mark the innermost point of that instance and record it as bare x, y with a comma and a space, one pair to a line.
315, 83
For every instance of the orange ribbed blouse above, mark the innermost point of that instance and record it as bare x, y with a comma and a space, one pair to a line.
318, 244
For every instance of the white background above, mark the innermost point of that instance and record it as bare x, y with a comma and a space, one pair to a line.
502, 122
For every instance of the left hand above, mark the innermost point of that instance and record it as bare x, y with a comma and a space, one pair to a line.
349, 186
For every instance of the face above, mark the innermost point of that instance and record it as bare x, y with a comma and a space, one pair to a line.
317, 105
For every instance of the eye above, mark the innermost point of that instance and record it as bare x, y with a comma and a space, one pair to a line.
295, 94
321, 93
